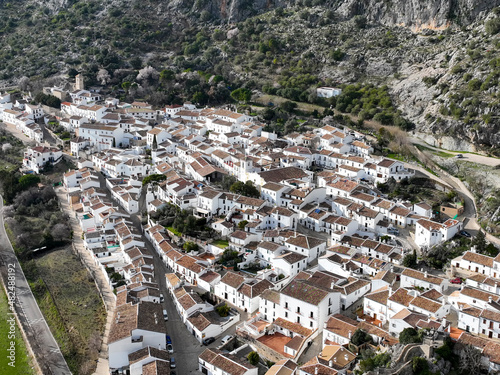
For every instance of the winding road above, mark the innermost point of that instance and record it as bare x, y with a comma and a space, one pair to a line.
470, 208
466, 156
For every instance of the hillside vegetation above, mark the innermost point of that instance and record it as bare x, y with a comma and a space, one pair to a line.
443, 81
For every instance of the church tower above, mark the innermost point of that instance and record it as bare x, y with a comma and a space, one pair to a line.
79, 82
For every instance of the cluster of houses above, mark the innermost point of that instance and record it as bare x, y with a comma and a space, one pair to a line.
315, 247
23, 115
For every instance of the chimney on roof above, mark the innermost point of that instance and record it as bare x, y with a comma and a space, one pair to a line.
473, 249
425, 274
346, 357
316, 370
350, 334
330, 363
390, 290
490, 299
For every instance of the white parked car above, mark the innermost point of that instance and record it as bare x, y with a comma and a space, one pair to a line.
226, 339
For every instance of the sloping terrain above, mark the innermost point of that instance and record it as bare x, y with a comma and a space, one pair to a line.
439, 58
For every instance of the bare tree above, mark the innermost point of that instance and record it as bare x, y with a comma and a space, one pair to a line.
24, 83
103, 76
9, 212
6, 147
60, 232
148, 74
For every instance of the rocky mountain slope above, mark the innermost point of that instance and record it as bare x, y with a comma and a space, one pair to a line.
439, 58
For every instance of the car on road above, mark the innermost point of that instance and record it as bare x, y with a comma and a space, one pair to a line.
165, 315
161, 298
172, 362
226, 339
465, 234
208, 340
169, 340
393, 231
459, 156
170, 348
456, 280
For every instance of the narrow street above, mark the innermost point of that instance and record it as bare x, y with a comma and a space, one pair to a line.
186, 347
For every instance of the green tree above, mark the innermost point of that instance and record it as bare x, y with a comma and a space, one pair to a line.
245, 188
136, 62
190, 226
223, 310
27, 181
288, 106
242, 224
253, 358
49, 100
200, 97
410, 260
126, 85
190, 246
360, 337
479, 241
366, 365
72, 72
157, 177
9, 182
409, 336
241, 95
492, 26
166, 75
419, 365
337, 55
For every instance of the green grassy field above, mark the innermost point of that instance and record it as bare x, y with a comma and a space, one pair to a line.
176, 232
221, 244
71, 305
22, 362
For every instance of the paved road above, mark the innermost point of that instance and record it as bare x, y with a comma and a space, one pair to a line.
470, 210
474, 158
44, 346
186, 347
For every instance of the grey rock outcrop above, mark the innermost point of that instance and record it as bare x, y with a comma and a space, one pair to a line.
416, 14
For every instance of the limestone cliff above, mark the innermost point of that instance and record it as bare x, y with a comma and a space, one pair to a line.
416, 14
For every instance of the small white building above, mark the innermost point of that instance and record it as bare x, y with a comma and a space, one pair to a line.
413, 278
135, 327
327, 92
429, 233
36, 158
